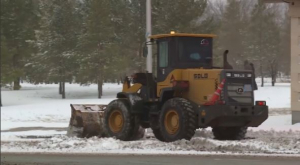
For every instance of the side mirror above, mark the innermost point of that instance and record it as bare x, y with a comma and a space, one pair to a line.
145, 50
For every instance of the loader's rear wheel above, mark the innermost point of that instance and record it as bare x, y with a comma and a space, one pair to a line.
177, 120
118, 122
229, 133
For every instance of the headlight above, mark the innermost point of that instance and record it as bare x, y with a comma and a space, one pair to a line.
249, 75
228, 74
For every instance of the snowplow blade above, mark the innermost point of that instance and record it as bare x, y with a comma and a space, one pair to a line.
86, 120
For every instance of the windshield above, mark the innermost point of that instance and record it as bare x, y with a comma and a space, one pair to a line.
195, 49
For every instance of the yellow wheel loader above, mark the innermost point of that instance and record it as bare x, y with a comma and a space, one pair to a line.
186, 93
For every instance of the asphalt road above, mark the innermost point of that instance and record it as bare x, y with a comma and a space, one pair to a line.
69, 159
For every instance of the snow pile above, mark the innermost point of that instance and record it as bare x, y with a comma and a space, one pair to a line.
257, 142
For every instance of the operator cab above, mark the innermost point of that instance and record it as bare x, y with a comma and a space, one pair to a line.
182, 51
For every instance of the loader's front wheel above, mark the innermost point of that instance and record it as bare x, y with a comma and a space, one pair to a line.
115, 121
154, 124
177, 120
229, 133
118, 122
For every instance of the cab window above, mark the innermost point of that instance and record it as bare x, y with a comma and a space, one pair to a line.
196, 50
163, 54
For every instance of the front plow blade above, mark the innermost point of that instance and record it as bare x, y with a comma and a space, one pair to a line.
86, 120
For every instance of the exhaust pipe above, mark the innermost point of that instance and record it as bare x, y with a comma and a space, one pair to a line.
226, 64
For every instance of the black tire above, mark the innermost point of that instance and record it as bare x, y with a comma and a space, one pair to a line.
139, 134
187, 120
138, 131
154, 124
127, 130
229, 133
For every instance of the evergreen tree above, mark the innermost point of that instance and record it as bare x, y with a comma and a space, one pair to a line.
19, 20
57, 41
263, 41
285, 44
97, 44
6, 68
135, 36
232, 32
7, 74
181, 16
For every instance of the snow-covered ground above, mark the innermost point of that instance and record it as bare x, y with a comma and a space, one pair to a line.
257, 142
278, 96
39, 111
41, 105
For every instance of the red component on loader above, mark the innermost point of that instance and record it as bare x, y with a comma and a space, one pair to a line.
216, 95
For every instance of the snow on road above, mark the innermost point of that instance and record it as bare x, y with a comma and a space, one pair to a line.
39, 110
257, 142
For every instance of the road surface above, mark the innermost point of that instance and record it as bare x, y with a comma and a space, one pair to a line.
69, 159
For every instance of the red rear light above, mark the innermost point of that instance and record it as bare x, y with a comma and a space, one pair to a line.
260, 103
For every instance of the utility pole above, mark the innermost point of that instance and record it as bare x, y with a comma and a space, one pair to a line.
148, 33
0, 95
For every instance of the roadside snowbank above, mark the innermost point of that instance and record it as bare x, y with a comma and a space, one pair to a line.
257, 142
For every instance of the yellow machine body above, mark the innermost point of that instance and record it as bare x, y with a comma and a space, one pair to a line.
202, 82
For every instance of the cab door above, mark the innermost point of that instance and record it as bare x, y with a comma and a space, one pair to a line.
164, 65
163, 62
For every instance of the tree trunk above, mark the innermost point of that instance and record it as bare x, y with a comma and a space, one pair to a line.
63, 90
15, 61
60, 88
99, 92
262, 75
100, 88
121, 79
17, 85
0, 96
274, 73
274, 78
